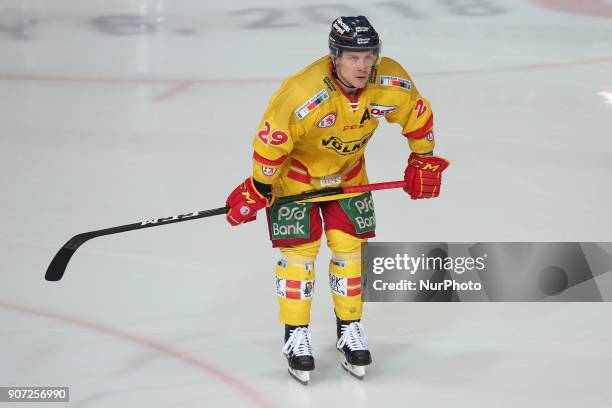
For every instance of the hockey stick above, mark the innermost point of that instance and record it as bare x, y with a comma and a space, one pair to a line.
58, 265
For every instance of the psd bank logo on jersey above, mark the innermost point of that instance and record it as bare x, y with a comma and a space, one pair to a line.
290, 221
346, 148
328, 120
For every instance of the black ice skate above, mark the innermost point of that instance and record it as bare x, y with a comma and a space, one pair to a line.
298, 351
353, 346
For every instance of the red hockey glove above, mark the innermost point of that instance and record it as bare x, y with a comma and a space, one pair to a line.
423, 175
244, 202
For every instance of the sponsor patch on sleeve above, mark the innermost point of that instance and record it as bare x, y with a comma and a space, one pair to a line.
395, 81
311, 104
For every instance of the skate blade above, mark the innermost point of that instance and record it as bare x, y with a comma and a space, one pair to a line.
356, 371
301, 376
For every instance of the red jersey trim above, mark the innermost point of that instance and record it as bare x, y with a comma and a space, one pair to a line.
302, 178
354, 171
260, 159
299, 165
299, 172
423, 131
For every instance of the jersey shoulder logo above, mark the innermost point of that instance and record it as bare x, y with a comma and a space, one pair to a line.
311, 104
395, 81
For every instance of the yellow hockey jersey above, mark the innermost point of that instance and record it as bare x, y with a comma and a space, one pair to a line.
314, 127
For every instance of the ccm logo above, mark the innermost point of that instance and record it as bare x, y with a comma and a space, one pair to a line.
424, 166
274, 138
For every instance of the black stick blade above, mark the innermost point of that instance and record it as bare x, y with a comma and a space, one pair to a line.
58, 265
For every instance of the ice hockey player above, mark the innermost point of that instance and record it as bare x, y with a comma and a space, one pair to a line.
313, 135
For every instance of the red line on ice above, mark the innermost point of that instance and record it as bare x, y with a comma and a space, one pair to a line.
219, 374
592, 8
180, 87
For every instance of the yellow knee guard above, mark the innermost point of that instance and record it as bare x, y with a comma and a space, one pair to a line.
295, 275
345, 274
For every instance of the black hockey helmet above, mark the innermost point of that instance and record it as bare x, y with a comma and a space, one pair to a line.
352, 34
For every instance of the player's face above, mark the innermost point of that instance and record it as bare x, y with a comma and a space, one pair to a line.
355, 67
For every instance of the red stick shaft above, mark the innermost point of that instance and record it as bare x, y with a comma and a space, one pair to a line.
375, 186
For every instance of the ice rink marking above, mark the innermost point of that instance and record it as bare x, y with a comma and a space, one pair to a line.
180, 85
248, 392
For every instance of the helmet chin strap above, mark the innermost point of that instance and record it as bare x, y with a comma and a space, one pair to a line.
340, 79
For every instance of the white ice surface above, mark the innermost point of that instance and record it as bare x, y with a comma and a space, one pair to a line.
98, 130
